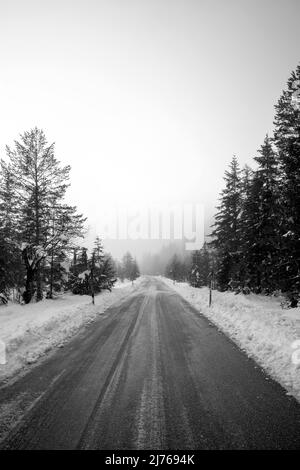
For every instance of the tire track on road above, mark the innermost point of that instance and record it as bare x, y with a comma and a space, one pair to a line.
91, 426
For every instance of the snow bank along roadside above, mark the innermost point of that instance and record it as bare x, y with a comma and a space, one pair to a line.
30, 331
258, 325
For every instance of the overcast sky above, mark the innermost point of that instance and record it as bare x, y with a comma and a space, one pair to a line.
146, 99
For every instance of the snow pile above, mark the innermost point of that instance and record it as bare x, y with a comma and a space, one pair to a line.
29, 331
121, 284
258, 325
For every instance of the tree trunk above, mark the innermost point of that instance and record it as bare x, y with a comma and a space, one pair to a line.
32, 272
39, 290
51, 275
29, 286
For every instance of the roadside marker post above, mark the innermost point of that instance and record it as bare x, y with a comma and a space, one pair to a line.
211, 286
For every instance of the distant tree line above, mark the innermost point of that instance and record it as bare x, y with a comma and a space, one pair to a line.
128, 268
156, 263
194, 267
178, 268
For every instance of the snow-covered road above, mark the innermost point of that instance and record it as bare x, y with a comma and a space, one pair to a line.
258, 325
30, 331
153, 374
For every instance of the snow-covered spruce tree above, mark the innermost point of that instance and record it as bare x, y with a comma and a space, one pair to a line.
98, 251
55, 271
246, 201
205, 265
260, 223
287, 139
83, 260
78, 281
40, 183
120, 271
200, 268
102, 268
127, 262
74, 264
65, 225
175, 269
11, 269
135, 272
129, 268
195, 274
108, 273
92, 274
226, 228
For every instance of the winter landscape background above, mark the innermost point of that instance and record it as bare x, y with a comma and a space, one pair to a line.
144, 104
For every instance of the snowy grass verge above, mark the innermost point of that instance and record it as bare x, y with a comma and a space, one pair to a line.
30, 331
258, 325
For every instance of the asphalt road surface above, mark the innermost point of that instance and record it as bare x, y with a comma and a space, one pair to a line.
153, 373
